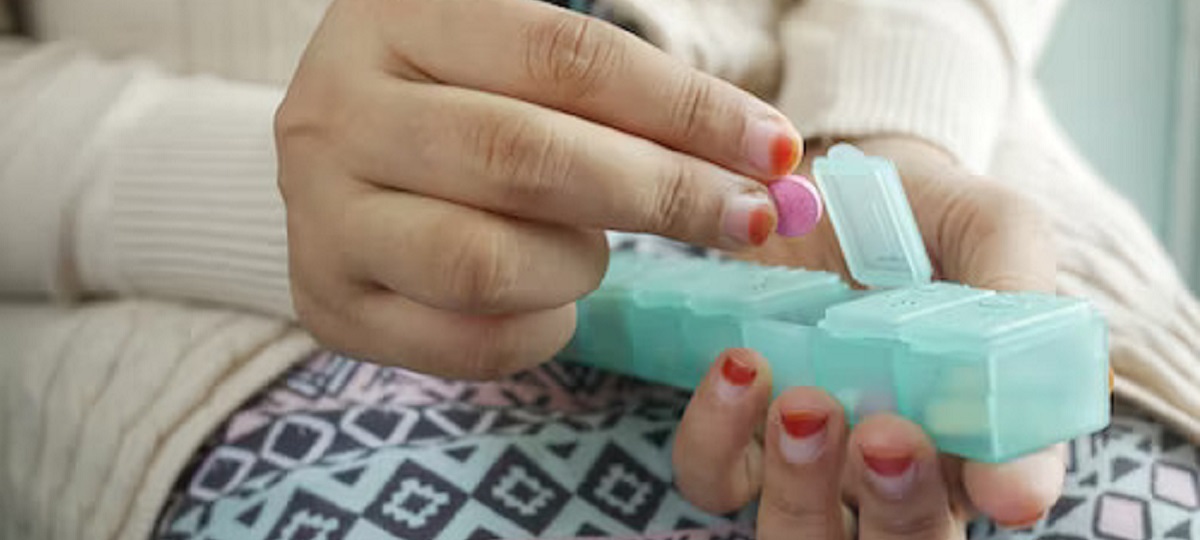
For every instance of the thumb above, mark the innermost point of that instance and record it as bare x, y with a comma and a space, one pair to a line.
993, 237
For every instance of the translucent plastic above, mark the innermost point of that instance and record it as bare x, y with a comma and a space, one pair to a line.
990, 376
872, 218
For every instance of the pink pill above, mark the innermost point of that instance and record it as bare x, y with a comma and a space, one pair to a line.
798, 204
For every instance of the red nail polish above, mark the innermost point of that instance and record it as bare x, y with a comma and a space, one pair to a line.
737, 371
802, 424
762, 222
783, 155
888, 466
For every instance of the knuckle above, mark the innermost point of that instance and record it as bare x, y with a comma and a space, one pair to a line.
316, 317
572, 55
480, 272
692, 108
308, 109
531, 159
674, 195
306, 123
285, 128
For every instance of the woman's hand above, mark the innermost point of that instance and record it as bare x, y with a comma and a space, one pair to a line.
449, 167
807, 462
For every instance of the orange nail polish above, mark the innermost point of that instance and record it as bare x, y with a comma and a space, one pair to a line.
784, 153
802, 424
738, 372
762, 222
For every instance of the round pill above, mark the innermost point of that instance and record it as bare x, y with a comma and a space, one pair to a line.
798, 204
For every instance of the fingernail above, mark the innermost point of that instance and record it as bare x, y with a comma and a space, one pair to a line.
773, 148
748, 219
736, 376
1022, 524
803, 435
891, 475
798, 204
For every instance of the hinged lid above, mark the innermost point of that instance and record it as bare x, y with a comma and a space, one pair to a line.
873, 221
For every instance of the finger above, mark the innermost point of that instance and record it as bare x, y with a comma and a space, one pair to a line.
511, 157
386, 328
586, 67
895, 474
1004, 244
718, 464
1018, 493
457, 258
804, 450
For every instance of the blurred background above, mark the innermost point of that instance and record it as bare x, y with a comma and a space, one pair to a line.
1123, 77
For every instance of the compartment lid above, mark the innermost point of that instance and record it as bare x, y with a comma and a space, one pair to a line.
882, 314
998, 317
871, 216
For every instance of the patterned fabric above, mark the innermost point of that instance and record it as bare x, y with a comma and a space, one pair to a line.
1135, 480
343, 450
340, 449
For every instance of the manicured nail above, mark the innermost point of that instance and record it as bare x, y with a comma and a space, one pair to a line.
891, 475
748, 219
803, 435
1022, 524
736, 376
773, 148
798, 204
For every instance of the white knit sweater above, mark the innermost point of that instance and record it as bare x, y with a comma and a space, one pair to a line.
136, 161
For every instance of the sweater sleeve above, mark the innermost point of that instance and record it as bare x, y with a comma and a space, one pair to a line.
939, 70
117, 178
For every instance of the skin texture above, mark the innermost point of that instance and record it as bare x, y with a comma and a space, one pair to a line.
978, 232
447, 170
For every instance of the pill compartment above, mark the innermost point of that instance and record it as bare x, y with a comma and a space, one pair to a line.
988, 379
754, 292
788, 347
719, 311
600, 336
658, 315
856, 349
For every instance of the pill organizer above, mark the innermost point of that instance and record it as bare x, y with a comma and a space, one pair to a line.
989, 376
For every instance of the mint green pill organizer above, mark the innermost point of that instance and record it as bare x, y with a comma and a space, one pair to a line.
989, 376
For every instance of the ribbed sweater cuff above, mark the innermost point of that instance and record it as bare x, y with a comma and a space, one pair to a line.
858, 68
185, 202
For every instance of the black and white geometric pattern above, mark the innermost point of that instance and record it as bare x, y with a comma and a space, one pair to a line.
415, 503
518, 489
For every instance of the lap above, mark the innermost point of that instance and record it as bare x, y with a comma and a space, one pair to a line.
359, 451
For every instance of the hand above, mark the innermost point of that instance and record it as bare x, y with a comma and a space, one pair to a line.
449, 167
978, 232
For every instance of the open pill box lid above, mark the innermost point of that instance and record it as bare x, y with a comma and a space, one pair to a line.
872, 218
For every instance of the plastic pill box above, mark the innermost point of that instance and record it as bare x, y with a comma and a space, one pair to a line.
989, 376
